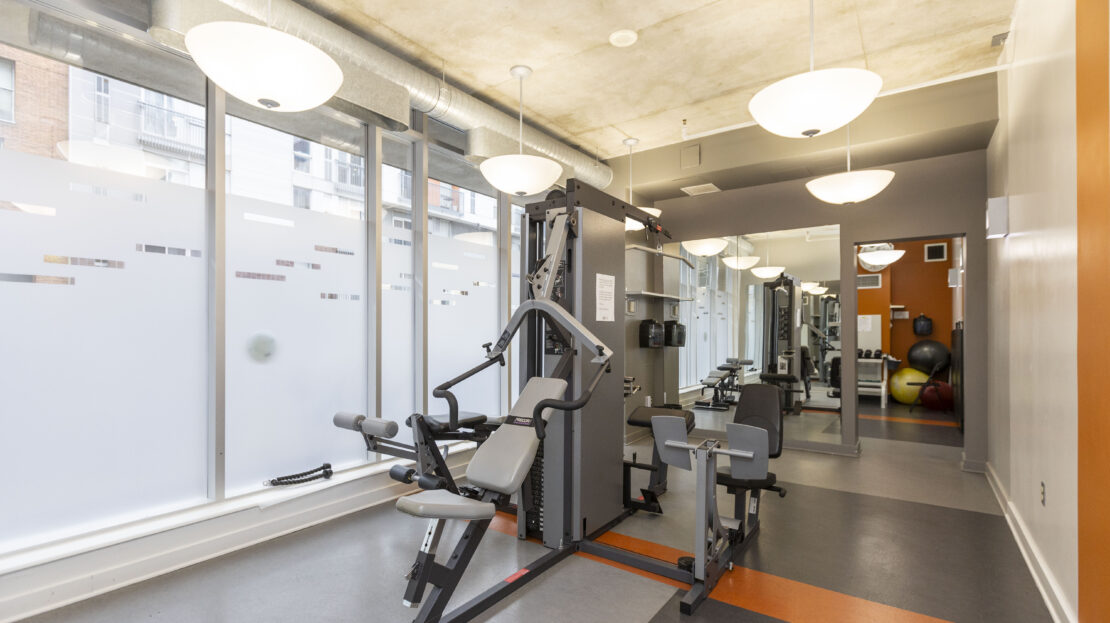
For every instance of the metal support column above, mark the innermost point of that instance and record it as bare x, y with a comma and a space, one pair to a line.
372, 159
505, 291
215, 216
420, 262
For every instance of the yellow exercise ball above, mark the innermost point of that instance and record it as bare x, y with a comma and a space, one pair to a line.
900, 386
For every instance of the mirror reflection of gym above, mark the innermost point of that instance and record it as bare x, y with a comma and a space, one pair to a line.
765, 308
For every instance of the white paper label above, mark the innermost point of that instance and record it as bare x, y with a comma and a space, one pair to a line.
753, 506
606, 297
863, 324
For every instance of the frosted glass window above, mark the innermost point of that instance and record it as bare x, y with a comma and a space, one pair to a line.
462, 284
398, 345
7, 90
297, 337
103, 344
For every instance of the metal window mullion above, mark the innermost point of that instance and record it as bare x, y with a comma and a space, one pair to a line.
215, 186
375, 214
420, 264
505, 290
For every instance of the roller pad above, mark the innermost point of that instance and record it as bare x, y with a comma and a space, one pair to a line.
349, 421
377, 427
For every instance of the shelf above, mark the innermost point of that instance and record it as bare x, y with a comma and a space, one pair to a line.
655, 295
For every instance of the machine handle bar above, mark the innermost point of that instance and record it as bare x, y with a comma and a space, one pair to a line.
565, 405
441, 391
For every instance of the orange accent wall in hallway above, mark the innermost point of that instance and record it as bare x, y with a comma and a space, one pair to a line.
1093, 224
923, 288
877, 301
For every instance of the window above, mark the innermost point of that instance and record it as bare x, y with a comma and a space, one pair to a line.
297, 336
126, 246
302, 155
102, 103
302, 198
462, 283
398, 302
7, 90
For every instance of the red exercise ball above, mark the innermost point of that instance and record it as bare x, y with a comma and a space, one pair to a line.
937, 397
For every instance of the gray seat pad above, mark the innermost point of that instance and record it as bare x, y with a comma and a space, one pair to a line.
442, 504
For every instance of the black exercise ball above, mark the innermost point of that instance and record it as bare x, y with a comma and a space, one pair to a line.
928, 355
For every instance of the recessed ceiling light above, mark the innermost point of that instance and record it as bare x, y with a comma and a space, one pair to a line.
700, 189
623, 38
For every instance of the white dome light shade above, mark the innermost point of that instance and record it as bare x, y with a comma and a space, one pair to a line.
705, 247
808, 286
816, 102
819, 290
740, 262
631, 224
881, 257
851, 186
521, 174
264, 67
768, 272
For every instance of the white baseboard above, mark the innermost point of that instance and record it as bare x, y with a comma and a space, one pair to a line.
1051, 591
39, 588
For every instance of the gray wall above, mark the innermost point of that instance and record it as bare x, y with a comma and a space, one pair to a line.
931, 198
655, 369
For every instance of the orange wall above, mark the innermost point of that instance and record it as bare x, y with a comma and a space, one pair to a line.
876, 301
923, 288
1093, 225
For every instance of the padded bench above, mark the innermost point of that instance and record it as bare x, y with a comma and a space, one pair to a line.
641, 416
498, 466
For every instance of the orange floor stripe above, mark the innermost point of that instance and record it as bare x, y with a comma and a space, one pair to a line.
802, 603
753, 590
908, 420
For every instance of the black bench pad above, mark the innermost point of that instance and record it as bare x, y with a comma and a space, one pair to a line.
641, 416
440, 423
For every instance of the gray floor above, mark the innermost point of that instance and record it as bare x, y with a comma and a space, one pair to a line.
900, 525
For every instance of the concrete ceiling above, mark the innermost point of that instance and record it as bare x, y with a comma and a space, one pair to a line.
698, 60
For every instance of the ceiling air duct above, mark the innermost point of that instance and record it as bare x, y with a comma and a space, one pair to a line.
367, 66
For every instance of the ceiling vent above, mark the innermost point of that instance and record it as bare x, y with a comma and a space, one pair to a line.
700, 189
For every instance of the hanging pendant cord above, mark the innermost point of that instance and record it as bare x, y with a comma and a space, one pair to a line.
629, 174
811, 35
848, 133
520, 135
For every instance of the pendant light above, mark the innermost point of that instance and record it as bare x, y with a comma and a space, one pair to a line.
818, 290
264, 67
740, 262
809, 285
851, 186
876, 257
767, 271
705, 247
631, 224
521, 174
815, 102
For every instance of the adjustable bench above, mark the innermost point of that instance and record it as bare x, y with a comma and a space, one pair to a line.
713, 382
657, 481
496, 470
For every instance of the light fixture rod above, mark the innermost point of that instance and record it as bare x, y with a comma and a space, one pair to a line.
811, 35
848, 133
520, 131
630, 173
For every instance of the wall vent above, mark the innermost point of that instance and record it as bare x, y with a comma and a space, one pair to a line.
869, 282
936, 252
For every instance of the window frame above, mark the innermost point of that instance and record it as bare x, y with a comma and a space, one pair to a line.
9, 89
